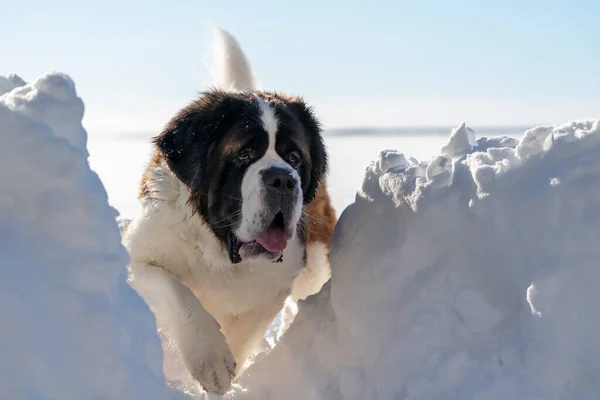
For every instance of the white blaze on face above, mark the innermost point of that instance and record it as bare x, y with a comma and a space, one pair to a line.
253, 205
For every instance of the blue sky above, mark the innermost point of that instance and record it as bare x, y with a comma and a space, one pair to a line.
377, 63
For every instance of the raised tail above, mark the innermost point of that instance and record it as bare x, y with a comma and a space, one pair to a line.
232, 69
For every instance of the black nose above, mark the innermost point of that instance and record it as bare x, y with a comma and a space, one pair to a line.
279, 180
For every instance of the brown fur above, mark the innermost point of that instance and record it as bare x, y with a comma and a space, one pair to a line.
320, 217
144, 190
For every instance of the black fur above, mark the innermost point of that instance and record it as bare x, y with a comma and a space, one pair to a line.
317, 149
202, 144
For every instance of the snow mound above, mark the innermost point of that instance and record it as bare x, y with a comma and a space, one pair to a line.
10, 82
50, 100
72, 326
473, 276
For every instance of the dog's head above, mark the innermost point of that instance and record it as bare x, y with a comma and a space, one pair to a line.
250, 161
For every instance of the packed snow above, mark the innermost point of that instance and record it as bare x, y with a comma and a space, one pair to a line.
472, 276
72, 326
469, 276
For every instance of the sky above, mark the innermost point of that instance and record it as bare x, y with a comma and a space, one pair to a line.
359, 63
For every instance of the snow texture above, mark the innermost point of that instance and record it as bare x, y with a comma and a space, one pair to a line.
72, 326
473, 276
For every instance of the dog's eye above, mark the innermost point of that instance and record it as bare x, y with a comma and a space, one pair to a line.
244, 155
294, 159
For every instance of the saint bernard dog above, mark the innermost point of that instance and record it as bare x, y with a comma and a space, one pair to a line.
235, 220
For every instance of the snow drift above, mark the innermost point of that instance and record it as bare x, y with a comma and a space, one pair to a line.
472, 276
72, 326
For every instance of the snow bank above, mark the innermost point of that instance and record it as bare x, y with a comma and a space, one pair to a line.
72, 326
473, 276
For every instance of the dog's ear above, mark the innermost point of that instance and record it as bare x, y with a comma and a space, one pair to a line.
180, 143
318, 154
187, 140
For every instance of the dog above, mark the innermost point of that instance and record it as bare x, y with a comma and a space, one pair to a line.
234, 219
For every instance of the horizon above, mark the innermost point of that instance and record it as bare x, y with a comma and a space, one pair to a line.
400, 130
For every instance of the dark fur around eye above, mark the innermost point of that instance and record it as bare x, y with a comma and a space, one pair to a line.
294, 159
245, 155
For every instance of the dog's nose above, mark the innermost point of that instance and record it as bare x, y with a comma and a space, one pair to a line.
279, 180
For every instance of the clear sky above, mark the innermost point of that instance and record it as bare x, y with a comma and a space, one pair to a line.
369, 63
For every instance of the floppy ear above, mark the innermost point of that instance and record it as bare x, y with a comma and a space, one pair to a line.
189, 137
318, 154
181, 146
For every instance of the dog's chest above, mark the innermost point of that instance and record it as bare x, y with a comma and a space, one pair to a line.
248, 285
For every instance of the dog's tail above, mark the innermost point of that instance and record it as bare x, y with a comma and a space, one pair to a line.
232, 69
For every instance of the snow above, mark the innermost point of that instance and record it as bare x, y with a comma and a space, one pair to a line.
469, 276
473, 276
72, 326
10, 82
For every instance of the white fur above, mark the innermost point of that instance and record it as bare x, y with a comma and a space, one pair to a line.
252, 184
231, 68
269, 122
316, 273
308, 282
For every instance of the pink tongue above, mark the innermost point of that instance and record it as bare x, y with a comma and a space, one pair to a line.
273, 240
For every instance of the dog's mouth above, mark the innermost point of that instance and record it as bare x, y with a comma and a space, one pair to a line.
274, 239
270, 243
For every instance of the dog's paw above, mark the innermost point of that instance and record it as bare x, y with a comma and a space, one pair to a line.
213, 368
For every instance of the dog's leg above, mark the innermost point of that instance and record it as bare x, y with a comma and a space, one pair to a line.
198, 335
245, 331
310, 281
314, 275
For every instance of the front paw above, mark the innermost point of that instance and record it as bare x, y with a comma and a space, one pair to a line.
213, 366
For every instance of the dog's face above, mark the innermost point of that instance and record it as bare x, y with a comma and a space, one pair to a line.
250, 161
